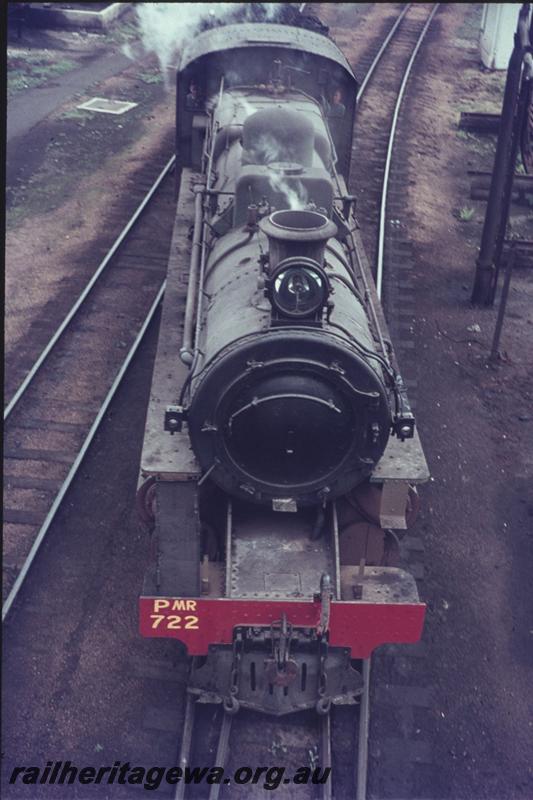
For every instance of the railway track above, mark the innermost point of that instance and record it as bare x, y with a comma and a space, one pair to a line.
302, 741
227, 734
54, 414
376, 117
317, 739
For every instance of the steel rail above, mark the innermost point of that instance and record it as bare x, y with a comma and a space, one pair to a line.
79, 302
364, 720
79, 458
367, 77
359, 95
399, 99
381, 50
325, 754
222, 750
186, 742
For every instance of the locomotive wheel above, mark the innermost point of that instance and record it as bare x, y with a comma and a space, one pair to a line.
527, 135
145, 503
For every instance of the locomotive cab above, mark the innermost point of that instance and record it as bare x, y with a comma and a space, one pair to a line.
284, 58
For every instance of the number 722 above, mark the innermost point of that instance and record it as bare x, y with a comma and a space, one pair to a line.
175, 623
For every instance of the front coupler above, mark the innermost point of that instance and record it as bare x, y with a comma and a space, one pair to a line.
276, 670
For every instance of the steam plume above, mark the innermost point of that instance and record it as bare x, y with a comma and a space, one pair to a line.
166, 27
268, 150
295, 197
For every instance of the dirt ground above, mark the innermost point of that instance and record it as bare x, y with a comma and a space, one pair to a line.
67, 198
477, 426
475, 420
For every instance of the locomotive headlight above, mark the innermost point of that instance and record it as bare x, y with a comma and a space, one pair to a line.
298, 288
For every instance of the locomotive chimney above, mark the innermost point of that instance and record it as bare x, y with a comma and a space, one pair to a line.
297, 233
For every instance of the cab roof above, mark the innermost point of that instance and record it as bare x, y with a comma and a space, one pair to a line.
253, 35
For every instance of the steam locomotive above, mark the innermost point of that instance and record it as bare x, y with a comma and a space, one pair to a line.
279, 448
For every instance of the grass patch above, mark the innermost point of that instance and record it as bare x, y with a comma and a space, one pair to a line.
76, 114
466, 213
150, 77
27, 71
483, 144
125, 32
519, 166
